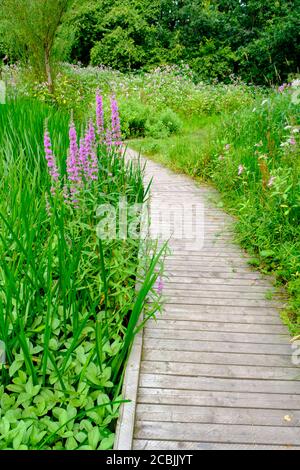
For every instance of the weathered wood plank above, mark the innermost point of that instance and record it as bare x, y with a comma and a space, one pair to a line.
218, 346
275, 360
225, 283
219, 384
217, 415
222, 318
230, 310
170, 285
285, 402
229, 294
184, 271
166, 324
234, 302
224, 370
241, 434
148, 444
254, 338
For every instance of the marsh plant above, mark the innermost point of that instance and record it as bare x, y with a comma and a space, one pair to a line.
69, 306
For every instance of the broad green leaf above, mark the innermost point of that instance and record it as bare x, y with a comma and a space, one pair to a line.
107, 443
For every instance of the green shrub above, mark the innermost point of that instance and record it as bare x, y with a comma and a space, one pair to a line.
163, 124
134, 116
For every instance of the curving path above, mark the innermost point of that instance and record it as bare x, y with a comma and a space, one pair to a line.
215, 370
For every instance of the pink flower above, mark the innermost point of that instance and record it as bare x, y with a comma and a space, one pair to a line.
241, 170
115, 123
50, 157
72, 161
91, 167
292, 141
82, 158
100, 116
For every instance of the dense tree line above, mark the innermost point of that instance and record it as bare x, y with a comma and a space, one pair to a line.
258, 40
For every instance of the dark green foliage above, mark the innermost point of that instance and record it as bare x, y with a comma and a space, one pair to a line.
255, 39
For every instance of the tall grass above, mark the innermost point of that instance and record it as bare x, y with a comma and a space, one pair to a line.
68, 306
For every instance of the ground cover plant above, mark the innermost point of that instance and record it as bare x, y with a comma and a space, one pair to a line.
68, 305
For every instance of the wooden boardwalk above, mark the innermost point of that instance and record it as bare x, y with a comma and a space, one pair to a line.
215, 370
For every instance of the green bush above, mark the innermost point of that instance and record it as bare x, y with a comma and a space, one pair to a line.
163, 124
134, 116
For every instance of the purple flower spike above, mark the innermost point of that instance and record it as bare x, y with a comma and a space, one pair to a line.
51, 160
72, 162
100, 116
91, 167
115, 123
82, 158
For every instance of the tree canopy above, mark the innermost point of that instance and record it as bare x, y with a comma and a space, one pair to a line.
254, 39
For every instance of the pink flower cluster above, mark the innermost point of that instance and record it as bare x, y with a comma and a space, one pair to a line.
50, 157
82, 160
100, 116
115, 123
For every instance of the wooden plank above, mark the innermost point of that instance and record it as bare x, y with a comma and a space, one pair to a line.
201, 293
224, 283
234, 302
166, 324
184, 271
218, 346
171, 285
275, 360
230, 310
241, 434
284, 402
148, 444
219, 384
254, 338
204, 264
222, 318
216, 415
225, 370
176, 266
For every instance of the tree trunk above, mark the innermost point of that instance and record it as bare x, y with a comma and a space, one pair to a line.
48, 70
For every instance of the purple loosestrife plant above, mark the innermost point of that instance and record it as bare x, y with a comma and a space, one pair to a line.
51, 161
100, 116
73, 168
91, 169
72, 161
82, 159
115, 123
